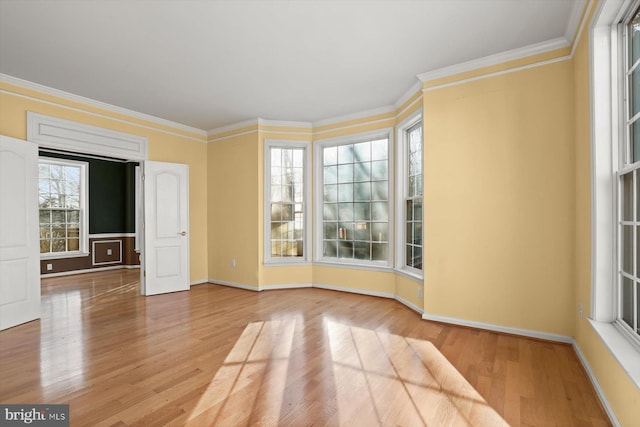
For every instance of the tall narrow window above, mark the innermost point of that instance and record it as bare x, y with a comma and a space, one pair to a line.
286, 192
413, 197
354, 207
62, 204
629, 186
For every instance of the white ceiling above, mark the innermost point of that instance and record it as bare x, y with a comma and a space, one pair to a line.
212, 63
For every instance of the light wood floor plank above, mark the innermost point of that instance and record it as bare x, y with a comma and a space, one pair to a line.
222, 356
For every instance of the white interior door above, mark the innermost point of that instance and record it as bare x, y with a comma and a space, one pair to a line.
19, 241
166, 228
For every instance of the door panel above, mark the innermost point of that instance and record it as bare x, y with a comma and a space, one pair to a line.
19, 242
166, 236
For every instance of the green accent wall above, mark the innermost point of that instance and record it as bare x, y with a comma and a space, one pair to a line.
111, 193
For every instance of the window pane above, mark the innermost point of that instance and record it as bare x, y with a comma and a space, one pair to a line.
354, 174
73, 244
362, 171
345, 249
634, 32
45, 232
362, 250
58, 245
330, 248
345, 192
634, 92
362, 191
45, 246
379, 232
379, 150
330, 174
345, 154
331, 193
346, 231
330, 156
45, 216
345, 173
635, 142
330, 230
380, 190
627, 301
363, 231
379, 251
362, 211
362, 152
627, 249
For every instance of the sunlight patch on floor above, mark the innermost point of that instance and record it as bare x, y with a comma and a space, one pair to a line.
254, 370
405, 382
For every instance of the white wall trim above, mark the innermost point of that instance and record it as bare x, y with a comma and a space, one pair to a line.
354, 116
286, 286
409, 304
596, 385
233, 285
497, 73
233, 135
575, 20
232, 127
102, 105
111, 235
67, 135
99, 242
88, 270
199, 282
498, 328
498, 58
355, 290
284, 123
415, 88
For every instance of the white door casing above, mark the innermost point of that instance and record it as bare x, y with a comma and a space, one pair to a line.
19, 228
166, 228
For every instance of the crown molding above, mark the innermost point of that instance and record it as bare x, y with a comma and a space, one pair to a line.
498, 58
354, 116
415, 88
285, 123
233, 126
4, 78
574, 20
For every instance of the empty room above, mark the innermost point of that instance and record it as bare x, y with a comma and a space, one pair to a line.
341, 213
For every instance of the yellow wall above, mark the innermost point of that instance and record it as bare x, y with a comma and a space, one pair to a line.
621, 393
499, 199
234, 209
165, 144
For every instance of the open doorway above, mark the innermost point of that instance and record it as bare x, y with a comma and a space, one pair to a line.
87, 213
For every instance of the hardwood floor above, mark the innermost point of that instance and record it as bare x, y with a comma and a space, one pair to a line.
229, 357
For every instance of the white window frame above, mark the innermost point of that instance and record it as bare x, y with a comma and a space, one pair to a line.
306, 246
318, 181
402, 150
84, 208
606, 130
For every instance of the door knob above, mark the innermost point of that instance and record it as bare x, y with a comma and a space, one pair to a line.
183, 233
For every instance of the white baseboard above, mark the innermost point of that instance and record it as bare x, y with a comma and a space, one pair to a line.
288, 286
596, 385
354, 290
409, 304
233, 285
199, 282
498, 328
88, 270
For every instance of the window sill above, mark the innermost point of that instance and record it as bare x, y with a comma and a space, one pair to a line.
622, 349
64, 255
410, 275
287, 263
369, 267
